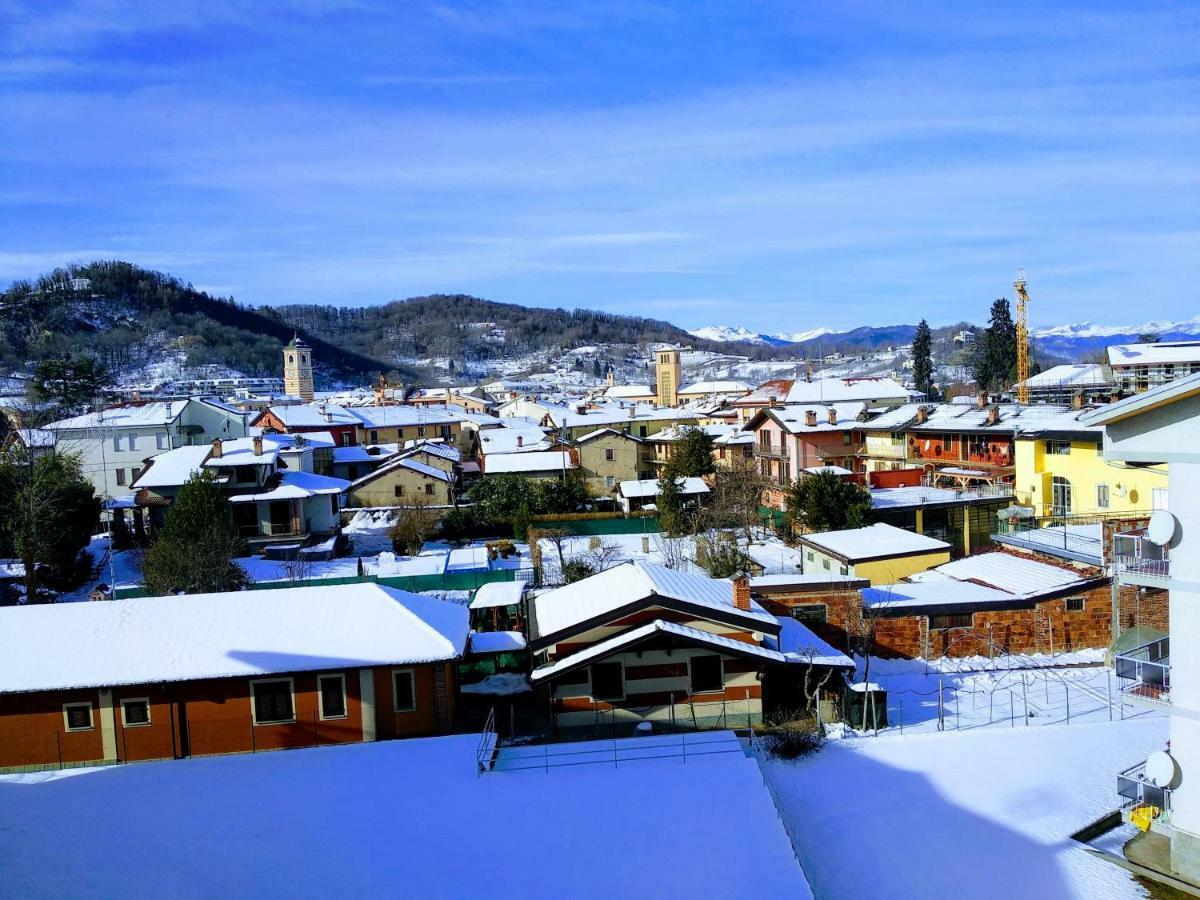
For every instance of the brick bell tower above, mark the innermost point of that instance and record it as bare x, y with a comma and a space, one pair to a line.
297, 370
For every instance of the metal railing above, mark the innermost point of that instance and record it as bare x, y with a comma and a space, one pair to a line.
1135, 790
485, 750
614, 752
1145, 672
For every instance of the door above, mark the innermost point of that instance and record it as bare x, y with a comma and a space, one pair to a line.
1060, 497
184, 748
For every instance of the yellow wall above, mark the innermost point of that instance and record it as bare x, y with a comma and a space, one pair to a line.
625, 465
381, 491
1129, 489
880, 571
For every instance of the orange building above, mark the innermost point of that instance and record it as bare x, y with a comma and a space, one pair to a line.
203, 674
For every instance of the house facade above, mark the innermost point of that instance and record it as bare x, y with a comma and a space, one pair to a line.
171, 677
406, 481
790, 439
879, 553
609, 456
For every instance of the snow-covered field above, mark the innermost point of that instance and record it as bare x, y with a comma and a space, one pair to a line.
1069, 688
401, 818
980, 814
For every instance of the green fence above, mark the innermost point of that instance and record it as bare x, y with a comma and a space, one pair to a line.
446, 581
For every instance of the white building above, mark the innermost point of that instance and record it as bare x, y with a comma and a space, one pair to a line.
1140, 367
1162, 425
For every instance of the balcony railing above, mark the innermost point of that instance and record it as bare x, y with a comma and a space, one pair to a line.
1138, 560
1144, 672
1136, 791
775, 451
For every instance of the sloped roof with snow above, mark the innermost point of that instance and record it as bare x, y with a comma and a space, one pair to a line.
1014, 573
295, 486
650, 487
878, 541
600, 594
798, 644
716, 387
843, 390
627, 391
794, 419
1154, 354
536, 461
153, 640
142, 415
521, 438
173, 468
425, 469
436, 448
313, 415
613, 415
1064, 376
401, 416
498, 593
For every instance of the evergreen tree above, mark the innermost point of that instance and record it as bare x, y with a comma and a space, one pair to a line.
671, 514
824, 501
693, 454
922, 349
194, 550
69, 384
996, 354
50, 511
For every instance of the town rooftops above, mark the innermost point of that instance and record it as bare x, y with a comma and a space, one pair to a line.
633, 584
142, 415
153, 640
313, 415
650, 487
878, 541
809, 418
404, 416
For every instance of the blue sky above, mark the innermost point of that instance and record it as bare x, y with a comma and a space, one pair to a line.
780, 166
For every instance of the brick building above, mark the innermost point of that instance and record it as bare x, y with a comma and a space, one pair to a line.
171, 677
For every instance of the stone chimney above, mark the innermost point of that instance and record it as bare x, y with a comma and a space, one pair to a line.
981, 400
810, 418
1077, 401
993, 416
633, 412
741, 592
216, 449
520, 440
832, 413
922, 415
258, 448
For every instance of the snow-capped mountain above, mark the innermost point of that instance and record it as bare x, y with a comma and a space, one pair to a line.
728, 333
799, 337
1092, 330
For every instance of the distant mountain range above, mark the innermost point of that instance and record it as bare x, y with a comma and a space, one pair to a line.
1069, 341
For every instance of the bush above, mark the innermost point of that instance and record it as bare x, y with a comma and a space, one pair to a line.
577, 570
790, 738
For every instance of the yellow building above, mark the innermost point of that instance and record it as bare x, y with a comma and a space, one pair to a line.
882, 554
668, 371
1065, 473
608, 456
408, 482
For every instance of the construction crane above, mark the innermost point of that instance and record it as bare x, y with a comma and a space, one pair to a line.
1022, 339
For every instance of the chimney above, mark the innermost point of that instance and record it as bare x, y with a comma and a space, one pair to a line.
633, 412
216, 449
520, 440
258, 446
772, 401
1077, 401
993, 416
328, 416
137, 396
981, 400
741, 592
810, 418
832, 413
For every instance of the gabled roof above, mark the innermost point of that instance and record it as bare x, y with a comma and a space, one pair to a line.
601, 432
294, 486
650, 487
845, 390
646, 632
613, 592
794, 419
878, 541
403, 462
142, 415
798, 644
537, 461
402, 416
173, 468
1158, 353
312, 415
153, 640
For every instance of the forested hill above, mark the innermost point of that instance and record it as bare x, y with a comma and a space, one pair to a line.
127, 317
467, 329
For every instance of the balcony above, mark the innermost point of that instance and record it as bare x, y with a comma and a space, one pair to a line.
1137, 793
1138, 561
770, 451
1144, 673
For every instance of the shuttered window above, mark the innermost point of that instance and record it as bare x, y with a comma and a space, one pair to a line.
272, 701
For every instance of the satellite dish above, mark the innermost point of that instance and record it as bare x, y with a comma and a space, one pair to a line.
1161, 529
1162, 770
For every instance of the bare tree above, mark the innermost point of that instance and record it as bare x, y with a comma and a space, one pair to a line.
601, 556
559, 538
672, 549
862, 632
734, 498
297, 569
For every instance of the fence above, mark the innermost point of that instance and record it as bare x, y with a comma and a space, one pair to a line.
614, 751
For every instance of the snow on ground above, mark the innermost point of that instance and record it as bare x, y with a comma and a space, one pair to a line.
977, 692
407, 818
987, 813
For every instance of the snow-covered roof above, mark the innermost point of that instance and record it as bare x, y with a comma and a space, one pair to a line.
35, 437
612, 415
734, 435
626, 391
1010, 418
715, 387
1071, 376
497, 641
650, 487
895, 418
932, 590
831, 470
436, 448
811, 581
920, 495
535, 461
498, 593
878, 541
562, 608
153, 640
1154, 354
679, 432
794, 419
296, 486
173, 468
361, 454
1158, 396
141, 415
425, 469
519, 438
243, 452
314, 415
600, 432
642, 632
799, 644
1014, 573
401, 416
842, 390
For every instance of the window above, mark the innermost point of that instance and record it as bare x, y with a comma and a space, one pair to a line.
815, 613
133, 442
398, 490
950, 620
160, 441
1102, 496
1058, 448
116, 442
642, 430
135, 712
609, 454
1060, 496
825, 564
77, 716
374, 437
134, 474
444, 431
404, 691
809, 554
1075, 604
331, 696
120, 476
608, 681
609, 481
843, 570
429, 488
420, 431
272, 701
245, 474
707, 674
352, 471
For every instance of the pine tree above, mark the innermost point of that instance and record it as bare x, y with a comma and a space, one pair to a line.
692, 455
922, 349
193, 552
996, 354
